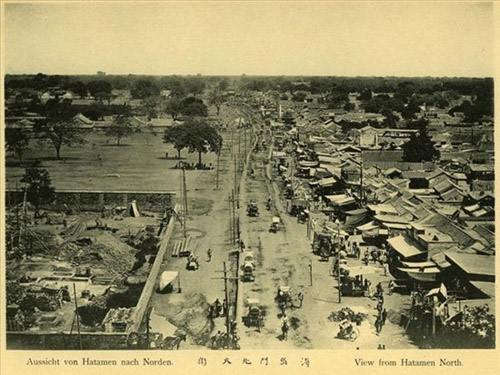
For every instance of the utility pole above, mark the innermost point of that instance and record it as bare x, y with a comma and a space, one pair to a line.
77, 317
338, 260
217, 172
233, 213
231, 230
226, 296
147, 328
185, 190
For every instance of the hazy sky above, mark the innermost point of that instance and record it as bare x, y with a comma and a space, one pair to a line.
274, 38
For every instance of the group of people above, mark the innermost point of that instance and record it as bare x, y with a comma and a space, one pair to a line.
217, 309
192, 166
381, 311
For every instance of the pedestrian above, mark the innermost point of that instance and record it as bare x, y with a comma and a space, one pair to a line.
380, 306
166, 155
380, 290
300, 296
378, 324
209, 255
390, 287
384, 316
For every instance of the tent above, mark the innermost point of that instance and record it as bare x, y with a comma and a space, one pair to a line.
132, 209
166, 278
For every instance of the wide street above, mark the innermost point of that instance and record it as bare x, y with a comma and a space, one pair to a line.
282, 258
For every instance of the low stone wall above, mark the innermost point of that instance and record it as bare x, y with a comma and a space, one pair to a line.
65, 340
154, 201
150, 285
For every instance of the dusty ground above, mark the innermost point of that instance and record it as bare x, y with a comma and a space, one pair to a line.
138, 164
284, 259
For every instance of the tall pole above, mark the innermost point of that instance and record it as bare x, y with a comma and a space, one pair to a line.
338, 261
227, 300
217, 173
77, 317
231, 231
185, 190
233, 213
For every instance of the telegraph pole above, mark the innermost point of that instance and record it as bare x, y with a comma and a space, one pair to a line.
77, 317
231, 230
226, 296
217, 173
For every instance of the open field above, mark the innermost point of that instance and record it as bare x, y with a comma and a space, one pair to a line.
138, 164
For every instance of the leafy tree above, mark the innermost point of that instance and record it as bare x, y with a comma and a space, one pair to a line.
420, 148
202, 137
177, 136
120, 128
349, 106
390, 117
60, 131
173, 107
39, 189
410, 110
16, 141
299, 96
99, 88
79, 88
223, 84
193, 107
365, 95
151, 104
216, 98
144, 88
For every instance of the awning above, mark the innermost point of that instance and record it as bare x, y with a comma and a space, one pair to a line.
340, 199
485, 287
396, 226
325, 182
368, 226
401, 246
419, 264
426, 274
308, 163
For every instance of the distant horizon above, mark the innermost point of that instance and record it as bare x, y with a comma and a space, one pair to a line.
244, 75
360, 39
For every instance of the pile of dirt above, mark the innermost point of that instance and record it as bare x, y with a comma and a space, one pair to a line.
191, 316
109, 252
43, 241
145, 240
346, 313
394, 316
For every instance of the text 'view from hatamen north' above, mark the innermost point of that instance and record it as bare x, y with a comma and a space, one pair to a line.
249, 212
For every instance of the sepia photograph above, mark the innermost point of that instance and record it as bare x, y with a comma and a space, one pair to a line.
248, 176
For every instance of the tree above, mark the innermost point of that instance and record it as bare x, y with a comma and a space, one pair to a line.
349, 106
201, 137
299, 96
120, 128
193, 107
38, 187
420, 148
390, 117
79, 88
177, 136
365, 95
16, 141
173, 107
144, 88
99, 89
60, 131
216, 98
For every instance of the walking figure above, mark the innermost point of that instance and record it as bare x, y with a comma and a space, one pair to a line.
300, 296
209, 255
284, 328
